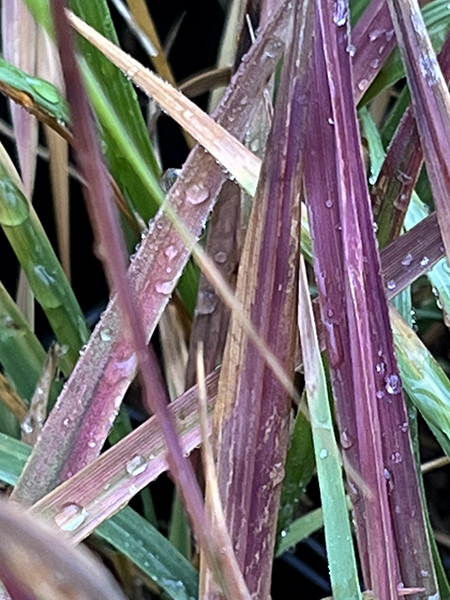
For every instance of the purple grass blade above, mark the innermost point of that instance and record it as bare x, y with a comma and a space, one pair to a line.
431, 101
366, 383
372, 41
90, 399
395, 183
212, 317
251, 421
110, 482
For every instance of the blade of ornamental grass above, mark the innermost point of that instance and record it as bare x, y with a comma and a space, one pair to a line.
251, 433
108, 365
431, 101
33, 557
403, 303
398, 175
338, 533
105, 485
237, 160
27, 237
48, 68
127, 531
437, 21
36, 95
21, 354
365, 376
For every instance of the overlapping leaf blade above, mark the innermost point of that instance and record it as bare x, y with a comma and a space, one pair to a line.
354, 311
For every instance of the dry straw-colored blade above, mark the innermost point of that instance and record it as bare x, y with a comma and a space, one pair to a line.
213, 137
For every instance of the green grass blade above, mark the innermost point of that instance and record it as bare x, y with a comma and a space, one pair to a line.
127, 531
299, 469
21, 353
117, 108
152, 552
38, 259
424, 380
338, 533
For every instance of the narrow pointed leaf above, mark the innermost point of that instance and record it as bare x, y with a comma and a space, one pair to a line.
431, 101
338, 534
252, 410
365, 376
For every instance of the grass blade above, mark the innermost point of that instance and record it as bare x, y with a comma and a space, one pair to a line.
431, 102
338, 534
365, 376
251, 433
37, 258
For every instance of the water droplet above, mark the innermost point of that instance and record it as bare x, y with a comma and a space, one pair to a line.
106, 334
66, 422
197, 193
206, 303
171, 252
44, 275
136, 465
396, 457
45, 90
393, 384
330, 121
71, 517
323, 453
283, 534
391, 285
272, 48
387, 474
328, 203
425, 260
27, 425
351, 49
407, 260
340, 13
330, 313
131, 72
14, 207
346, 439
375, 63
375, 34
375, 226
380, 367
220, 257
92, 444
363, 84
380, 394
389, 34
164, 287
404, 427
424, 573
